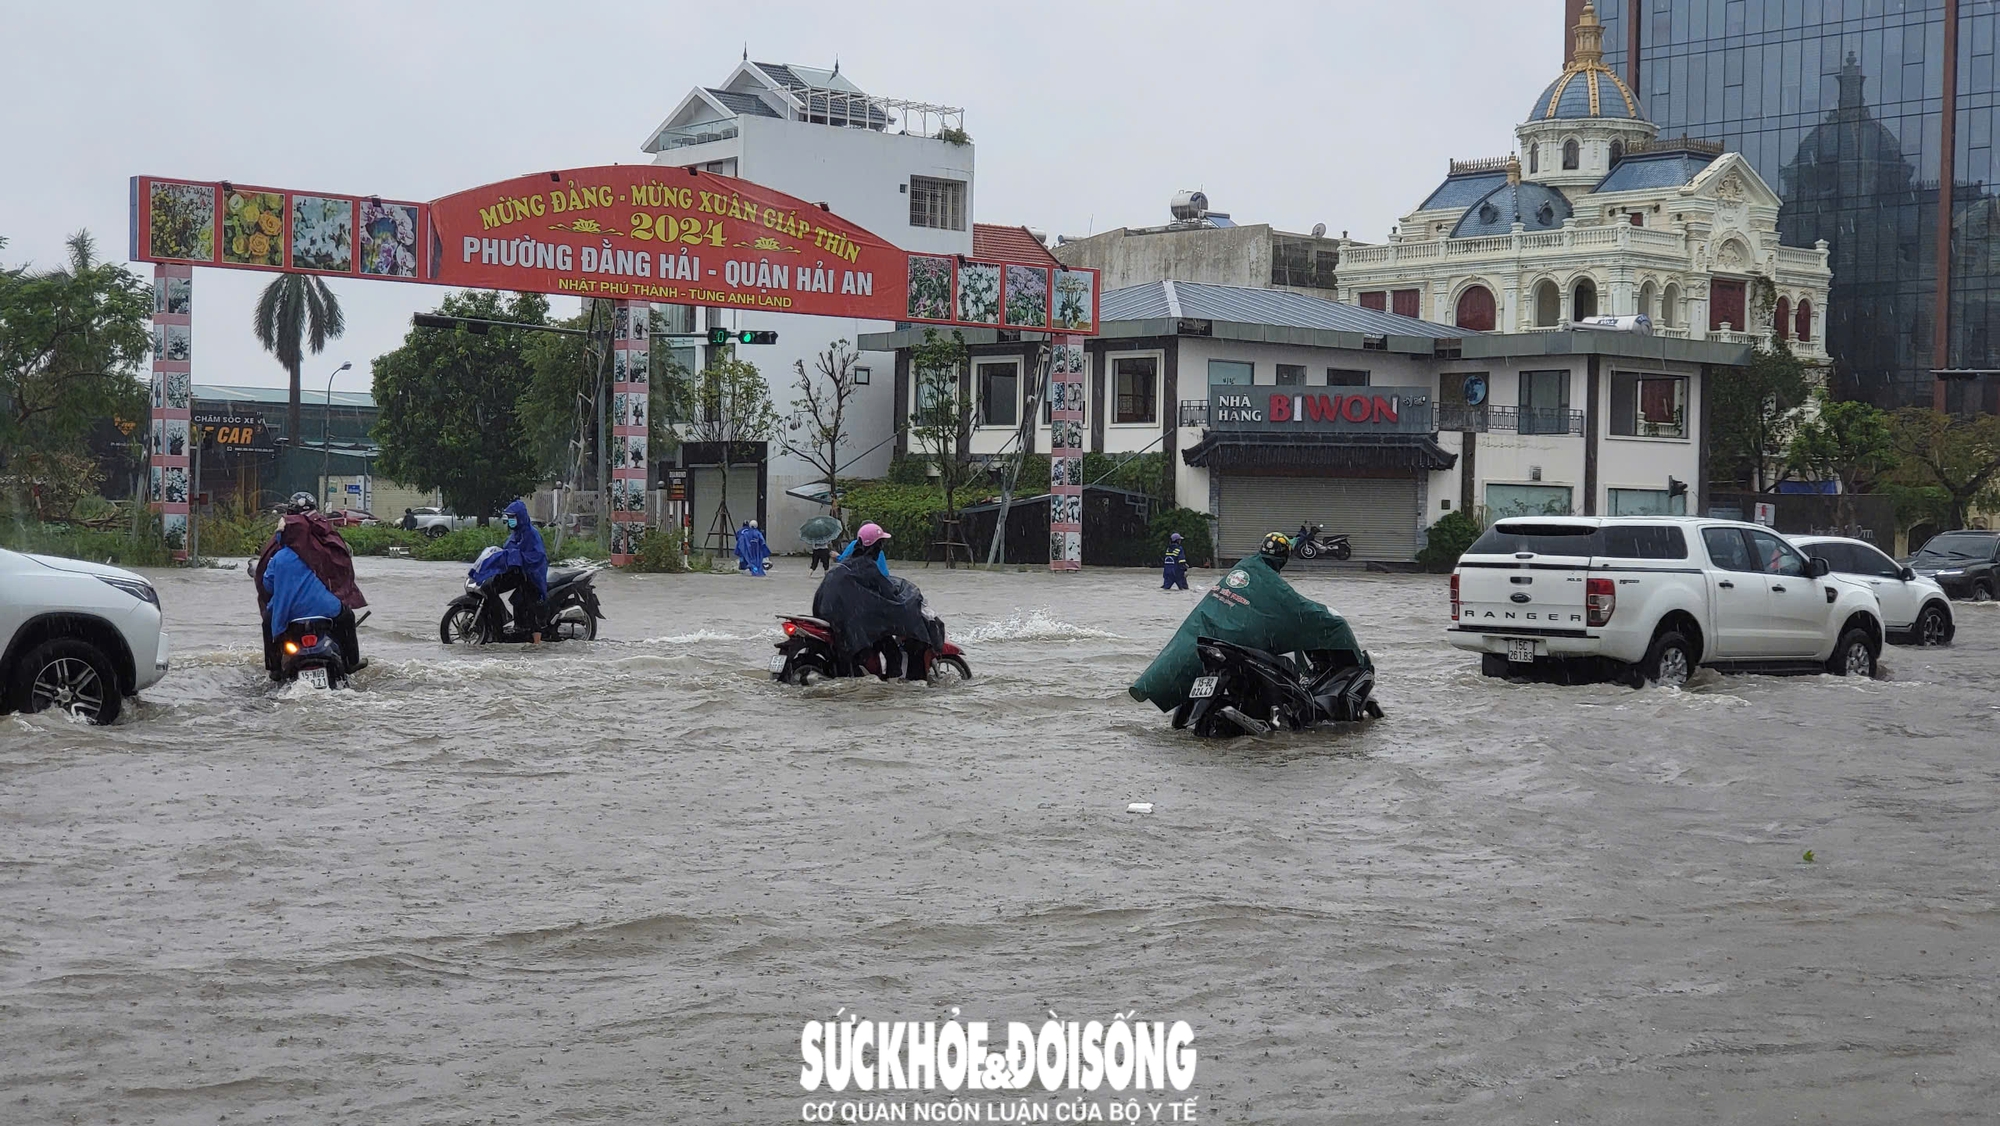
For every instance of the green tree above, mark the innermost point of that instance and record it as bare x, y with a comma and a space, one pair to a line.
1753, 414
557, 410
1960, 456
71, 341
1846, 441
450, 401
296, 312
940, 428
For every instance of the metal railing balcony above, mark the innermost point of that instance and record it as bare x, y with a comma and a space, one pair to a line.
1487, 419
700, 133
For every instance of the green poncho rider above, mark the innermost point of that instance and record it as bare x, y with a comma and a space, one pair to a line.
1254, 607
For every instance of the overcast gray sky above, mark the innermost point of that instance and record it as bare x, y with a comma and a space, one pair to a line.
1085, 114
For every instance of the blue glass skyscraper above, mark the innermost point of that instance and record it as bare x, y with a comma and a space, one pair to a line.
1872, 118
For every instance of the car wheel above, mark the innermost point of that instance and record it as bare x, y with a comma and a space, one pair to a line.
1982, 591
1493, 664
436, 532
1669, 662
71, 675
1854, 656
1933, 626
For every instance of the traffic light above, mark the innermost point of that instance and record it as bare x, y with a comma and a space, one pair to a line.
720, 336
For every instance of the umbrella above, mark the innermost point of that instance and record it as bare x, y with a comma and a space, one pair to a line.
820, 530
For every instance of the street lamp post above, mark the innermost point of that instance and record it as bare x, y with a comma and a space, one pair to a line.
325, 432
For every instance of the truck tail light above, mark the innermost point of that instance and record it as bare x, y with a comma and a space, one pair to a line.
1600, 600
1454, 596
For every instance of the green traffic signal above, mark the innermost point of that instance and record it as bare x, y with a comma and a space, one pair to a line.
720, 336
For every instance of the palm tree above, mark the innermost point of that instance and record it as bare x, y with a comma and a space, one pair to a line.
297, 310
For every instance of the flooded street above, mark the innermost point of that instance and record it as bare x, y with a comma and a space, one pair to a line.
608, 882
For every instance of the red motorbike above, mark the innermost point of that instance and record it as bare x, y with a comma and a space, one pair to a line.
808, 654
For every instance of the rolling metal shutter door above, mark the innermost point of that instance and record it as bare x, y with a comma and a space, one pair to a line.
1378, 514
706, 481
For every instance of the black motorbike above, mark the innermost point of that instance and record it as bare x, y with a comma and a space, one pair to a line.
1244, 691
1313, 542
479, 616
308, 652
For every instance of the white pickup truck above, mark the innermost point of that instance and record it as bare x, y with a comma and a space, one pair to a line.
1653, 598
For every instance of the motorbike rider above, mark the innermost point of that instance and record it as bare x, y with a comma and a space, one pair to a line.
1253, 606
521, 567
870, 542
1174, 568
307, 571
869, 611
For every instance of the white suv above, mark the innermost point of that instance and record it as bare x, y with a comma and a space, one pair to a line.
76, 636
1655, 597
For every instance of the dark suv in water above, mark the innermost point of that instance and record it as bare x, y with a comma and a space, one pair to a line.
1965, 563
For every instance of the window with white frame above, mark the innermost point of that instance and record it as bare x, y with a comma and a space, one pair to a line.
1135, 389
999, 393
937, 203
1648, 406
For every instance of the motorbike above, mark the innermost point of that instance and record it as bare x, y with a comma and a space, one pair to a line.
1313, 542
808, 653
1244, 691
479, 616
307, 652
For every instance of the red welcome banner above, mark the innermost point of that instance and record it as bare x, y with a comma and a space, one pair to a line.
677, 235
624, 232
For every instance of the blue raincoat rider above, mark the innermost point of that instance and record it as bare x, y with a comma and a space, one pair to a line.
1173, 568
521, 566
751, 550
870, 540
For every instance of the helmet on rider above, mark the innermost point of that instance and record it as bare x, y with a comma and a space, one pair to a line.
1175, 538
1276, 550
301, 503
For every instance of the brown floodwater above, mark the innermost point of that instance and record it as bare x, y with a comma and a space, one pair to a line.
610, 881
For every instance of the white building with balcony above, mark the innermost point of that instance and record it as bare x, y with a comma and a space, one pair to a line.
1596, 216
900, 169
1274, 408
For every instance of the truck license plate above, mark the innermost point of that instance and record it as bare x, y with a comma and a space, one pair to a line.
1204, 687
315, 677
777, 662
1520, 651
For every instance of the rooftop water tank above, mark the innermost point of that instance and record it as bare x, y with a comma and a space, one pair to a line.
1189, 205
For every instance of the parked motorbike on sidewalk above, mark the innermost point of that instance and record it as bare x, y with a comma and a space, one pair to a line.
479, 616
1244, 691
1313, 542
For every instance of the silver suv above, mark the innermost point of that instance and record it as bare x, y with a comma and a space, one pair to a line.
77, 636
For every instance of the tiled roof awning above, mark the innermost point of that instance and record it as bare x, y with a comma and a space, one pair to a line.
1254, 450
992, 242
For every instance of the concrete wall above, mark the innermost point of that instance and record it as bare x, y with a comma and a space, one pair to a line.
862, 175
1221, 256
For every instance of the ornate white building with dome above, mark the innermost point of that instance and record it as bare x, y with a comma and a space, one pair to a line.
1595, 215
